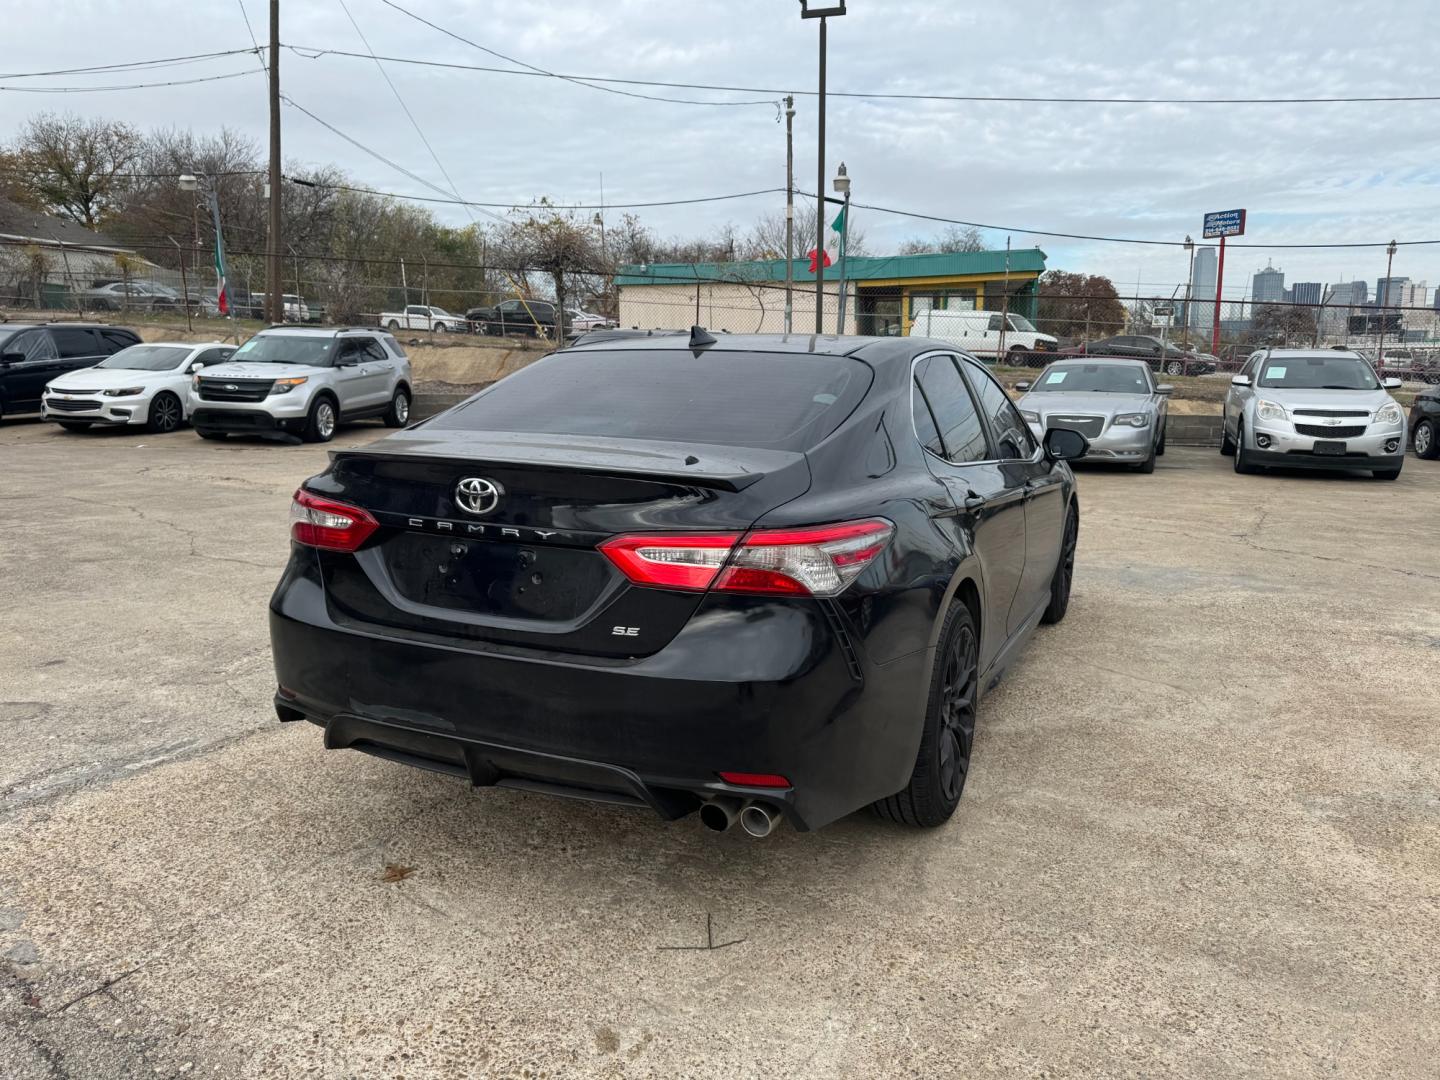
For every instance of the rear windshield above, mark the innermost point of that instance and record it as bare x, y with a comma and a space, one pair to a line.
1317, 373
760, 400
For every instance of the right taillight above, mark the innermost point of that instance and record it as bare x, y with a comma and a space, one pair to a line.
324, 523
818, 560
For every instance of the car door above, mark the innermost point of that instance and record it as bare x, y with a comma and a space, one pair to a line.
34, 363
351, 374
986, 508
78, 347
1022, 464
417, 317
384, 368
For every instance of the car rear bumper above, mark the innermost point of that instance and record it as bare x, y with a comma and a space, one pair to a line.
776, 687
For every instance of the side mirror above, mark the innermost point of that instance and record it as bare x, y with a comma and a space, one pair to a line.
1392, 383
1164, 389
1062, 444
1240, 380
1022, 386
11, 358
196, 366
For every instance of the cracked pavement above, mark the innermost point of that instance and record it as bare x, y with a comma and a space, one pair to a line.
1201, 835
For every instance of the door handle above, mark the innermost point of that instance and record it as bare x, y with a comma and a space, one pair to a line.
974, 501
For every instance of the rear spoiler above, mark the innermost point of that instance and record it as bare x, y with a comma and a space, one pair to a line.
726, 468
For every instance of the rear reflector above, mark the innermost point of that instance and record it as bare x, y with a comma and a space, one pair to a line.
324, 523
813, 561
754, 779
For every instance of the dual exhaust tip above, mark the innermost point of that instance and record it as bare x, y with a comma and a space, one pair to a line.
758, 819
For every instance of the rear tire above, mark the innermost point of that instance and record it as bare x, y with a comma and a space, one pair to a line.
398, 415
321, 423
1148, 465
215, 436
74, 425
166, 414
439, 328
943, 763
1175, 367
392, 325
1064, 575
1426, 444
1160, 446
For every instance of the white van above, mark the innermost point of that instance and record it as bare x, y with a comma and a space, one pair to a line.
984, 333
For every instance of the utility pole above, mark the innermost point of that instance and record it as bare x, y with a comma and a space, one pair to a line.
820, 198
789, 213
823, 14
275, 244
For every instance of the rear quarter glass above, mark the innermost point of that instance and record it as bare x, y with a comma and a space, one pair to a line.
776, 401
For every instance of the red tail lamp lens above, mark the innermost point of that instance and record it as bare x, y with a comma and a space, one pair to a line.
324, 523
670, 562
755, 779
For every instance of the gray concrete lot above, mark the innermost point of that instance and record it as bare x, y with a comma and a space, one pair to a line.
1201, 836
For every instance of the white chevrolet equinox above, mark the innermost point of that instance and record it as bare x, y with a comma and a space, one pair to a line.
303, 382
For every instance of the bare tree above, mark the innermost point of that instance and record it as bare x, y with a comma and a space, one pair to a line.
75, 167
553, 242
952, 239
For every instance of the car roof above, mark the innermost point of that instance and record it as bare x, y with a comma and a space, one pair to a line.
73, 324
1313, 352
873, 348
319, 331
191, 344
1119, 361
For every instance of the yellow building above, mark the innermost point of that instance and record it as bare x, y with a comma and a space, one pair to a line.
884, 293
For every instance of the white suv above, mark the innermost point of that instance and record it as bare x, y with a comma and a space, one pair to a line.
288, 380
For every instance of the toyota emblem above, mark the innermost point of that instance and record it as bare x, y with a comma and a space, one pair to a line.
476, 495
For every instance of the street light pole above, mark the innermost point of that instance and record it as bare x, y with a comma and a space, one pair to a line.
842, 186
1189, 285
274, 247
823, 14
1389, 285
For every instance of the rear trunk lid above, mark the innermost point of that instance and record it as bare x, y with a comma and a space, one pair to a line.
492, 536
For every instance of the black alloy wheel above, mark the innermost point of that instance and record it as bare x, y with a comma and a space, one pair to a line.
165, 413
1064, 575
942, 764
957, 713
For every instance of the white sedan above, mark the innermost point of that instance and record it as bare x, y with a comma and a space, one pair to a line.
145, 385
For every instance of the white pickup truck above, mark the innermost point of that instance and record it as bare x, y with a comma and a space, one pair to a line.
422, 317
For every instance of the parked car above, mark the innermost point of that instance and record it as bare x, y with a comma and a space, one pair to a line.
982, 333
1115, 404
1313, 408
424, 317
534, 318
296, 310
303, 382
582, 322
1176, 361
31, 354
145, 385
1425, 423
756, 576
127, 296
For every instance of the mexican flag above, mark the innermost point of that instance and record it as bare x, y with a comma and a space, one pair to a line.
831, 252
222, 289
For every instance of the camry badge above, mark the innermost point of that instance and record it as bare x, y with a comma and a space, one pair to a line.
477, 495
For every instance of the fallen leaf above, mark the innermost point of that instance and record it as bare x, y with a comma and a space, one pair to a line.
395, 872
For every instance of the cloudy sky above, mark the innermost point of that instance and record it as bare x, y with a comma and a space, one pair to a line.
1306, 172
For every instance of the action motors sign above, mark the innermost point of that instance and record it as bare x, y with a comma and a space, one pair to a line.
1224, 223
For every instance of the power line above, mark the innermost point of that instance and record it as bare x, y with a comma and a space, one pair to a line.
558, 206
244, 14
314, 53
130, 65
535, 70
126, 86
1106, 239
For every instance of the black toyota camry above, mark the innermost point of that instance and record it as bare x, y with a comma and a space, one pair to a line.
760, 577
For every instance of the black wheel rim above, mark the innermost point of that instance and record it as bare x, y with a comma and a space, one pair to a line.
957, 713
167, 413
1066, 569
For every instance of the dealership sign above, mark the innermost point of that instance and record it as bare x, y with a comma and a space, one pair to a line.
1224, 223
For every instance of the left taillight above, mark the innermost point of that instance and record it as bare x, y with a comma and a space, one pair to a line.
324, 523
820, 560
